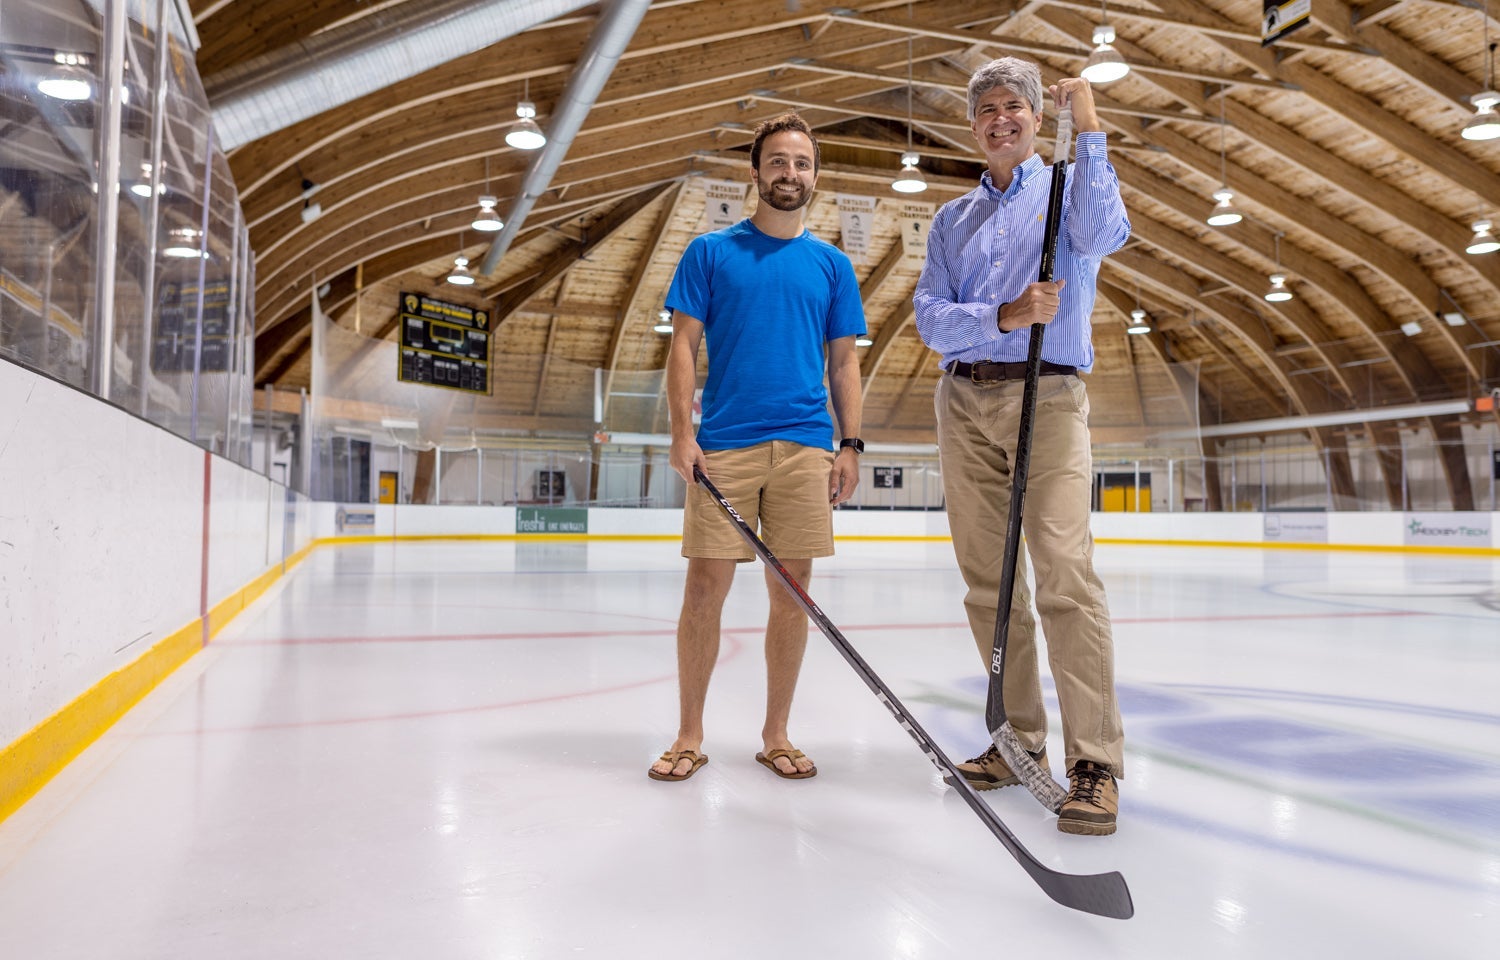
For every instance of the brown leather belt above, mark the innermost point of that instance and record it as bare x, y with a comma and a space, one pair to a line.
990, 371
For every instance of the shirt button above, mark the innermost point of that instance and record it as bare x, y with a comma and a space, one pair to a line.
992, 296
996, 263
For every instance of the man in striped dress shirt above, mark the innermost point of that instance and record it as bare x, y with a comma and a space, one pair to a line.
975, 303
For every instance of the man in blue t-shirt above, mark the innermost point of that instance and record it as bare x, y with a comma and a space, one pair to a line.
770, 298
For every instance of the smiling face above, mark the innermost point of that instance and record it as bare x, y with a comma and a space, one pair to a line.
787, 173
1005, 128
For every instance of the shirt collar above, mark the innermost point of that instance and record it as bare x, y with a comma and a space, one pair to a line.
1029, 168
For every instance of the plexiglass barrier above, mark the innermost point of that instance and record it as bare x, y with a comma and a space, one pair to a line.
125, 266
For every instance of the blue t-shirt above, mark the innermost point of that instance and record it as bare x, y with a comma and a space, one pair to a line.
768, 306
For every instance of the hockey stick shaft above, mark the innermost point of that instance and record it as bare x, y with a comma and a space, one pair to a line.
1104, 894
1038, 781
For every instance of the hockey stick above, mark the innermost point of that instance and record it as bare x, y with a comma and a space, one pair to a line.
1104, 894
1038, 781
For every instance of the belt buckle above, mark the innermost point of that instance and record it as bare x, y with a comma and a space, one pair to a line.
974, 369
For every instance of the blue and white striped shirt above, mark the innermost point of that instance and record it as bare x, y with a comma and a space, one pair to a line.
986, 247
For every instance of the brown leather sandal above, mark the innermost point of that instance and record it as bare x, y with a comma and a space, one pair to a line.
768, 760
673, 757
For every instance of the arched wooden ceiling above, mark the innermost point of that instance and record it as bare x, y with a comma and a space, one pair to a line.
1341, 144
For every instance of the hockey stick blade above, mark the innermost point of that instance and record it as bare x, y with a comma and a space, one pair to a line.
1103, 894
1048, 792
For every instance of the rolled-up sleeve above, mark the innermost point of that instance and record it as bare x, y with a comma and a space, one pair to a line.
1097, 222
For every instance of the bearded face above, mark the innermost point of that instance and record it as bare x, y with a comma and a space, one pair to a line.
786, 176
784, 194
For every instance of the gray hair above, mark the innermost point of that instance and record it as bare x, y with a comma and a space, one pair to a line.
1022, 77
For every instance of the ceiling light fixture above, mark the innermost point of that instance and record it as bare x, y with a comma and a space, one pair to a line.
487, 220
1224, 212
311, 209
69, 80
180, 247
1104, 65
909, 180
1411, 327
142, 187
663, 321
863, 341
1485, 124
1278, 292
1484, 238
524, 133
1139, 323
460, 276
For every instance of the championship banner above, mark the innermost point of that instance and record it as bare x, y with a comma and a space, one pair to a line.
1279, 19
915, 220
724, 204
856, 218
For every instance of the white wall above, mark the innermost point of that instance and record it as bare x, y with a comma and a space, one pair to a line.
1355, 529
101, 541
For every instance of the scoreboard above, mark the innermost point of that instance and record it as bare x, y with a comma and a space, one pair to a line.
444, 344
174, 346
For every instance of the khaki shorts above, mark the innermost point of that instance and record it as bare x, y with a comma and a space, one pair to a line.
780, 487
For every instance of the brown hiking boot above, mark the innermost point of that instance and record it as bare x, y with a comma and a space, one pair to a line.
1093, 801
989, 771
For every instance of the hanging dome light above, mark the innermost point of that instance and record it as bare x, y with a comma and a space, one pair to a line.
1224, 212
69, 80
863, 341
487, 220
524, 133
1104, 65
663, 321
1278, 292
1139, 322
909, 180
1484, 125
461, 275
142, 187
1484, 239
179, 245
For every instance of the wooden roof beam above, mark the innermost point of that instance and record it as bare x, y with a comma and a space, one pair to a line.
1394, 265
1357, 109
631, 301
1205, 25
1142, 61
399, 252
1347, 295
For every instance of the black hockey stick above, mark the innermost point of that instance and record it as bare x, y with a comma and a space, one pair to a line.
1104, 894
1038, 781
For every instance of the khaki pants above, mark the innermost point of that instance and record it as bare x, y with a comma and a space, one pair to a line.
977, 425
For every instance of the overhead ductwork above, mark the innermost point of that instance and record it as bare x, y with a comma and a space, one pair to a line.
605, 47
278, 89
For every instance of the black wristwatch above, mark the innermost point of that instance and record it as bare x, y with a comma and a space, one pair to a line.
855, 442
